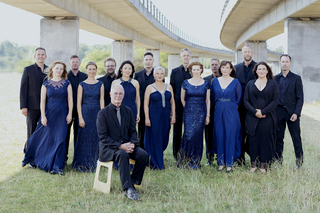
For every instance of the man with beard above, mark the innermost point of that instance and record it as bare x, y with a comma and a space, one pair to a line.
178, 75
145, 78
289, 109
110, 66
208, 129
244, 75
75, 77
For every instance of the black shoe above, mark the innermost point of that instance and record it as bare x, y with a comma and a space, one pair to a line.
32, 166
208, 163
61, 173
130, 194
52, 173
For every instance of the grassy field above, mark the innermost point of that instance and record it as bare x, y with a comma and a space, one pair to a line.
170, 190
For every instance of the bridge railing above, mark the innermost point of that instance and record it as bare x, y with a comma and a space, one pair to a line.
164, 21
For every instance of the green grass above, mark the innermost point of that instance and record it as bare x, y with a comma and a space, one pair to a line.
177, 190
169, 190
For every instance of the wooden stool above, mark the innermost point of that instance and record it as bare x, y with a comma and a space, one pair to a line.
105, 187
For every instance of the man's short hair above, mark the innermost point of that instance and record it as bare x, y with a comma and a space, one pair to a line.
40, 48
148, 53
285, 55
74, 56
109, 59
214, 59
185, 49
116, 85
247, 45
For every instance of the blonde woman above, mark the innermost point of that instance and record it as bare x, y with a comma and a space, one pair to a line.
46, 148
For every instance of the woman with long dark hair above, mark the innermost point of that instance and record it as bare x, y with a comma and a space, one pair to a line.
131, 88
227, 93
261, 98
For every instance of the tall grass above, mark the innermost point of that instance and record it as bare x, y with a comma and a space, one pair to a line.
169, 190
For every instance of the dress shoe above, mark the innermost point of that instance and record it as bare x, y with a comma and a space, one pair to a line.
130, 194
254, 169
61, 173
229, 169
298, 166
220, 168
263, 171
208, 163
32, 166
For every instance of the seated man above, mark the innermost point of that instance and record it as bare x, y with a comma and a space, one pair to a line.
118, 141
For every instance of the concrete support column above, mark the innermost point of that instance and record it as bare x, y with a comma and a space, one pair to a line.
173, 62
194, 58
122, 50
239, 56
156, 57
275, 67
260, 50
60, 38
304, 47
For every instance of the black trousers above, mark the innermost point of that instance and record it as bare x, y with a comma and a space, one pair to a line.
122, 158
294, 129
244, 144
141, 130
208, 131
74, 123
177, 135
33, 117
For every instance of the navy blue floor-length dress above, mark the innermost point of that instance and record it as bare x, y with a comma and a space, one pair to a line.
46, 147
157, 136
86, 152
227, 126
194, 117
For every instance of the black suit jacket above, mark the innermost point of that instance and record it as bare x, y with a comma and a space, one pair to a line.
271, 97
30, 88
107, 81
241, 76
176, 80
140, 77
293, 96
111, 135
81, 77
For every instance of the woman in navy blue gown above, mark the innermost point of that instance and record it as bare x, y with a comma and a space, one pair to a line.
46, 147
195, 97
159, 111
131, 88
226, 92
261, 98
89, 102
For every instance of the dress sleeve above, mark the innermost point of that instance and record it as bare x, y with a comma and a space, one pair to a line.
45, 83
68, 82
184, 85
207, 86
238, 92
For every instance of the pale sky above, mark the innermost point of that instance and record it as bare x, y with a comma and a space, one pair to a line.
200, 20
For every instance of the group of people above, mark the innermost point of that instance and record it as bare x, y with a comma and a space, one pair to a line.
240, 108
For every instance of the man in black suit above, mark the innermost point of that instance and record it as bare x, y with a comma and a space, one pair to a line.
75, 77
30, 89
289, 109
208, 129
108, 78
178, 75
145, 78
118, 141
244, 75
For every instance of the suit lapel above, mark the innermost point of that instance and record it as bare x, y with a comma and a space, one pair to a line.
123, 118
114, 117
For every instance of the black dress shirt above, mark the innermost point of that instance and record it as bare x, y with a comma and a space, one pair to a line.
107, 81
248, 70
283, 82
75, 80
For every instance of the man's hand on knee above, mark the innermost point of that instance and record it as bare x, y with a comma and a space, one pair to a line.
127, 147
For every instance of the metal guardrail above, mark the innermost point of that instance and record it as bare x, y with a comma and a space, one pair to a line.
164, 21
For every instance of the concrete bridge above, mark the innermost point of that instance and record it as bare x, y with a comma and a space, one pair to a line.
129, 22
254, 22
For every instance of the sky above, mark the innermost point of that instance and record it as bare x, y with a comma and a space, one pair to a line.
200, 20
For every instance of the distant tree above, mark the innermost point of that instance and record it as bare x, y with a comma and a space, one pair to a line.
97, 56
279, 49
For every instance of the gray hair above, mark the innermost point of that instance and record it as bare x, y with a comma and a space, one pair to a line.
116, 85
214, 59
160, 68
185, 49
247, 45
